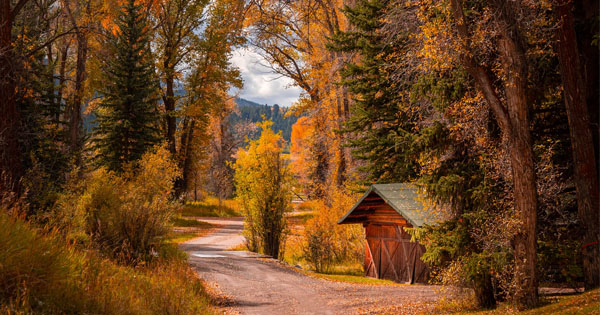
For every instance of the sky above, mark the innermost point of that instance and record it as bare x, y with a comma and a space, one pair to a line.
260, 84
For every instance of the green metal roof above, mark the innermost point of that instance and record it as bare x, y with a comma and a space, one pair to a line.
401, 197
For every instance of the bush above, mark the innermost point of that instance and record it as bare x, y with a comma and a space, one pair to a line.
263, 187
325, 242
126, 216
39, 274
456, 259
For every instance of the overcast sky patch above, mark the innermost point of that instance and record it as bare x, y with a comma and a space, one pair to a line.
260, 84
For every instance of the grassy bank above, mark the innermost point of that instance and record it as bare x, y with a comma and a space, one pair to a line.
39, 273
210, 207
185, 229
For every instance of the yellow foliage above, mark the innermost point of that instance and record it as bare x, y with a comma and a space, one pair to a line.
263, 187
125, 216
327, 243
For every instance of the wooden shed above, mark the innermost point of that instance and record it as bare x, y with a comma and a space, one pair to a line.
384, 211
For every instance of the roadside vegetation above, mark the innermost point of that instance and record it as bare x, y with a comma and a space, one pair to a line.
316, 242
583, 303
40, 273
211, 207
185, 229
263, 183
106, 248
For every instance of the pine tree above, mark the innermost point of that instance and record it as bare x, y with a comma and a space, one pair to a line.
127, 117
380, 125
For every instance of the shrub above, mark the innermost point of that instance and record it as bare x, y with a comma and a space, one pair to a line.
263, 187
325, 242
126, 216
456, 259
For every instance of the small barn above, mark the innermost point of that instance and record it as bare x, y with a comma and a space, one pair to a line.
384, 211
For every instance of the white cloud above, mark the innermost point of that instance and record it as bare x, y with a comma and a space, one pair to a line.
260, 84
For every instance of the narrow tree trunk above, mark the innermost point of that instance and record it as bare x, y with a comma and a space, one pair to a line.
10, 154
186, 168
61, 79
586, 180
169, 99
185, 156
75, 123
587, 27
341, 166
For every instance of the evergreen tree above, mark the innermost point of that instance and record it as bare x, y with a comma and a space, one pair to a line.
127, 118
380, 124
392, 138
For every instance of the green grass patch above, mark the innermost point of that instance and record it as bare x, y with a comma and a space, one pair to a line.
183, 222
354, 279
180, 237
585, 303
210, 208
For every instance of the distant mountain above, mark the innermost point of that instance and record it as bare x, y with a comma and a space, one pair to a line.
249, 111
253, 112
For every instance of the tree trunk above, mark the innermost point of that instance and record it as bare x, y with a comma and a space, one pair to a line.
341, 165
587, 26
186, 168
11, 168
185, 157
514, 122
75, 123
169, 100
582, 143
523, 171
61, 79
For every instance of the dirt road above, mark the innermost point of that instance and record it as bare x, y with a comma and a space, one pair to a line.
256, 285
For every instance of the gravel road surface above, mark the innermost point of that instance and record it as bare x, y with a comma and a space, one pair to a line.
258, 285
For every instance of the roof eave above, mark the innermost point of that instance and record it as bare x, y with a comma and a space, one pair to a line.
341, 221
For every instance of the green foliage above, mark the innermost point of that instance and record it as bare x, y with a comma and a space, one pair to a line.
559, 261
456, 257
42, 130
211, 207
39, 274
381, 129
253, 112
127, 216
263, 187
127, 117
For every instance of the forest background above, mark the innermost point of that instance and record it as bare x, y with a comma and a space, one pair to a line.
489, 107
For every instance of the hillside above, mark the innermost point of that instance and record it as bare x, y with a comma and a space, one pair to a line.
253, 112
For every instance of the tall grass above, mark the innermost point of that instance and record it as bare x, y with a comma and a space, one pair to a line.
39, 273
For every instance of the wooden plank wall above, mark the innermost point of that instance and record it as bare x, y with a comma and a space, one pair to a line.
389, 254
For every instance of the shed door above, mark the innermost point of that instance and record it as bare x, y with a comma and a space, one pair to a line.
389, 254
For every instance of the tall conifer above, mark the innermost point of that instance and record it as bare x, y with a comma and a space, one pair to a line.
127, 117
380, 118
